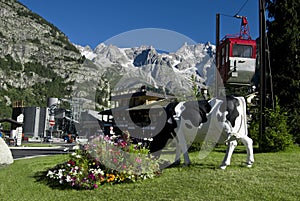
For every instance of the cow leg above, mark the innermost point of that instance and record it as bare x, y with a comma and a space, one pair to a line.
248, 142
178, 152
182, 147
230, 148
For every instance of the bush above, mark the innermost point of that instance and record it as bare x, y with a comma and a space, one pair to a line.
294, 122
276, 136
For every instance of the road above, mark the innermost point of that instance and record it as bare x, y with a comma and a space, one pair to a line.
23, 152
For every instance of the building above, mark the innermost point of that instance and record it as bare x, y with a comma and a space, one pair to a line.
138, 112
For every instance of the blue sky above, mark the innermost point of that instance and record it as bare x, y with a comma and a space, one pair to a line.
92, 22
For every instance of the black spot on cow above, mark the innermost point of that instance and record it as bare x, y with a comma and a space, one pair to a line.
196, 111
230, 105
161, 138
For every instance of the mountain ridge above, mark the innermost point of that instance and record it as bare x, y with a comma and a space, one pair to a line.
187, 61
38, 61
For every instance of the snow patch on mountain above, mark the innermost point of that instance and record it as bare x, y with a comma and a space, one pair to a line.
146, 65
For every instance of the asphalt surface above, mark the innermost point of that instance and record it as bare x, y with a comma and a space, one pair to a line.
28, 152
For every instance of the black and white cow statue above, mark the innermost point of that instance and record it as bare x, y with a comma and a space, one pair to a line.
218, 120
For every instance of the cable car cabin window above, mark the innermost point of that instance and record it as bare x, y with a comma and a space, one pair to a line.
242, 51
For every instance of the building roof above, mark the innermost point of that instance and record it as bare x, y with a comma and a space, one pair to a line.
160, 103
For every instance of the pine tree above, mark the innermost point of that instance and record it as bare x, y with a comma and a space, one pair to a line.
283, 26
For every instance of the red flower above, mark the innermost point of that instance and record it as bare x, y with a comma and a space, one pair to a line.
71, 162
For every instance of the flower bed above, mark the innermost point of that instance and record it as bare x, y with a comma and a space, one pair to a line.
104, 160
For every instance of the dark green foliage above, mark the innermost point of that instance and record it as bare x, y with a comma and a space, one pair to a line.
35, 95
66, 58
277, 135
35, 40
283, 35
295, 120
195, 146
5, 111
71, 47
39, 69
237, 90
103, 93
57, 43
8, 63
81, 60
195, 88
1, 35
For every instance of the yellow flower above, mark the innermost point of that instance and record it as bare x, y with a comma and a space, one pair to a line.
111, 177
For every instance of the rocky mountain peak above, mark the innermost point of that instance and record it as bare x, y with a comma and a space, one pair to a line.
146, 65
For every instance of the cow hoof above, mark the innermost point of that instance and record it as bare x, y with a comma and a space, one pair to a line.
223, 167
177, 162
249, 165
186, 165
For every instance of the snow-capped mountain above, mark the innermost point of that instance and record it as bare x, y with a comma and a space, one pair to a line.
131, 67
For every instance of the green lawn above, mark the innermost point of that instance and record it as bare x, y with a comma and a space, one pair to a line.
32, 144
275, 176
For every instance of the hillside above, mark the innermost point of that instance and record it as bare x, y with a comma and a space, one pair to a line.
36, 59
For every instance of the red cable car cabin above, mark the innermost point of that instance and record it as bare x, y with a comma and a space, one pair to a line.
237, 58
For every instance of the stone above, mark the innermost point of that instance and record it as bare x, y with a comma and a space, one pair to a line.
6, 157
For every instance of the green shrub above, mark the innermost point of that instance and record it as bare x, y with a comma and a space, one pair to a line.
277, 135
294, 122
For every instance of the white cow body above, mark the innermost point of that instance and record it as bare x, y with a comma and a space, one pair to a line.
217, 129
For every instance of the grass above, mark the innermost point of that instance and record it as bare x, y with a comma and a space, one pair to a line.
275, 176
31, 144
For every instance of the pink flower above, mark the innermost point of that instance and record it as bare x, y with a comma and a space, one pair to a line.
106, 138
123, 144
138, 160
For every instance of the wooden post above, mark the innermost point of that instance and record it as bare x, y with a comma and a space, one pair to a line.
262, 61
217, 81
